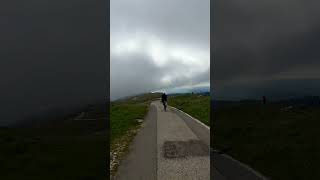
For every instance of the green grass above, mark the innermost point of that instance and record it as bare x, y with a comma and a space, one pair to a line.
279, 144
124, 114
124, 117
193, 104
51, 154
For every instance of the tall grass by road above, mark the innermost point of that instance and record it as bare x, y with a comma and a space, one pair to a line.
126, 116
63, 149
280, 143
196, 105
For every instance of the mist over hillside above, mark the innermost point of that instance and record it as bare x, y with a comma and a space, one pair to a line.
274, 90
52, 59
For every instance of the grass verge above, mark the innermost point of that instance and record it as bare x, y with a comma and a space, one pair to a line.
126, 117
67, 149
196, 105
281, 144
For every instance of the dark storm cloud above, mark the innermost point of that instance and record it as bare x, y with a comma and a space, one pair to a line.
53, 55
158, 45
257, 42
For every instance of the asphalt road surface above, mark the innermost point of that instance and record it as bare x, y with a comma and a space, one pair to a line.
165, 149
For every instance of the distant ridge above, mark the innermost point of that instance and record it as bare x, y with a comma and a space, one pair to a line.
298, 101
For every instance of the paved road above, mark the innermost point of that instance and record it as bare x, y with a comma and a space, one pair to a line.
190, 160
141, 162
165, 149
227, 168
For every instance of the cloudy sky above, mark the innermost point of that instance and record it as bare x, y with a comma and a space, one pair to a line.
266, 47
53, 57
158, 45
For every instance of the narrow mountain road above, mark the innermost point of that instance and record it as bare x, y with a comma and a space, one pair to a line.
181, 154
165, 148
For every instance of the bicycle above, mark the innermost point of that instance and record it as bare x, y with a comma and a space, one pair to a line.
165, 105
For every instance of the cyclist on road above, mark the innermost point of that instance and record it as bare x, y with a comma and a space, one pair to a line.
164, 101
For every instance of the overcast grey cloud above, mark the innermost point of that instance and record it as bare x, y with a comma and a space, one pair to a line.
266, 47
53, 57
158, 45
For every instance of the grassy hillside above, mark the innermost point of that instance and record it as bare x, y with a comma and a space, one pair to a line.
196, 105
65, 149
126, 115
281, 143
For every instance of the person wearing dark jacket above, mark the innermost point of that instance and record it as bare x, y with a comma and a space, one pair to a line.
164, 101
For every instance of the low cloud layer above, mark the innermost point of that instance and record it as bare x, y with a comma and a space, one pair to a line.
158, 45
53, 56
256, 43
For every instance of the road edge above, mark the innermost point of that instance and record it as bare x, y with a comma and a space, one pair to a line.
235, 168
141, 129
199, 128
255, 172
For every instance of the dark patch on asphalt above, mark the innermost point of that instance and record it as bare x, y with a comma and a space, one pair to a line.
183, 149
